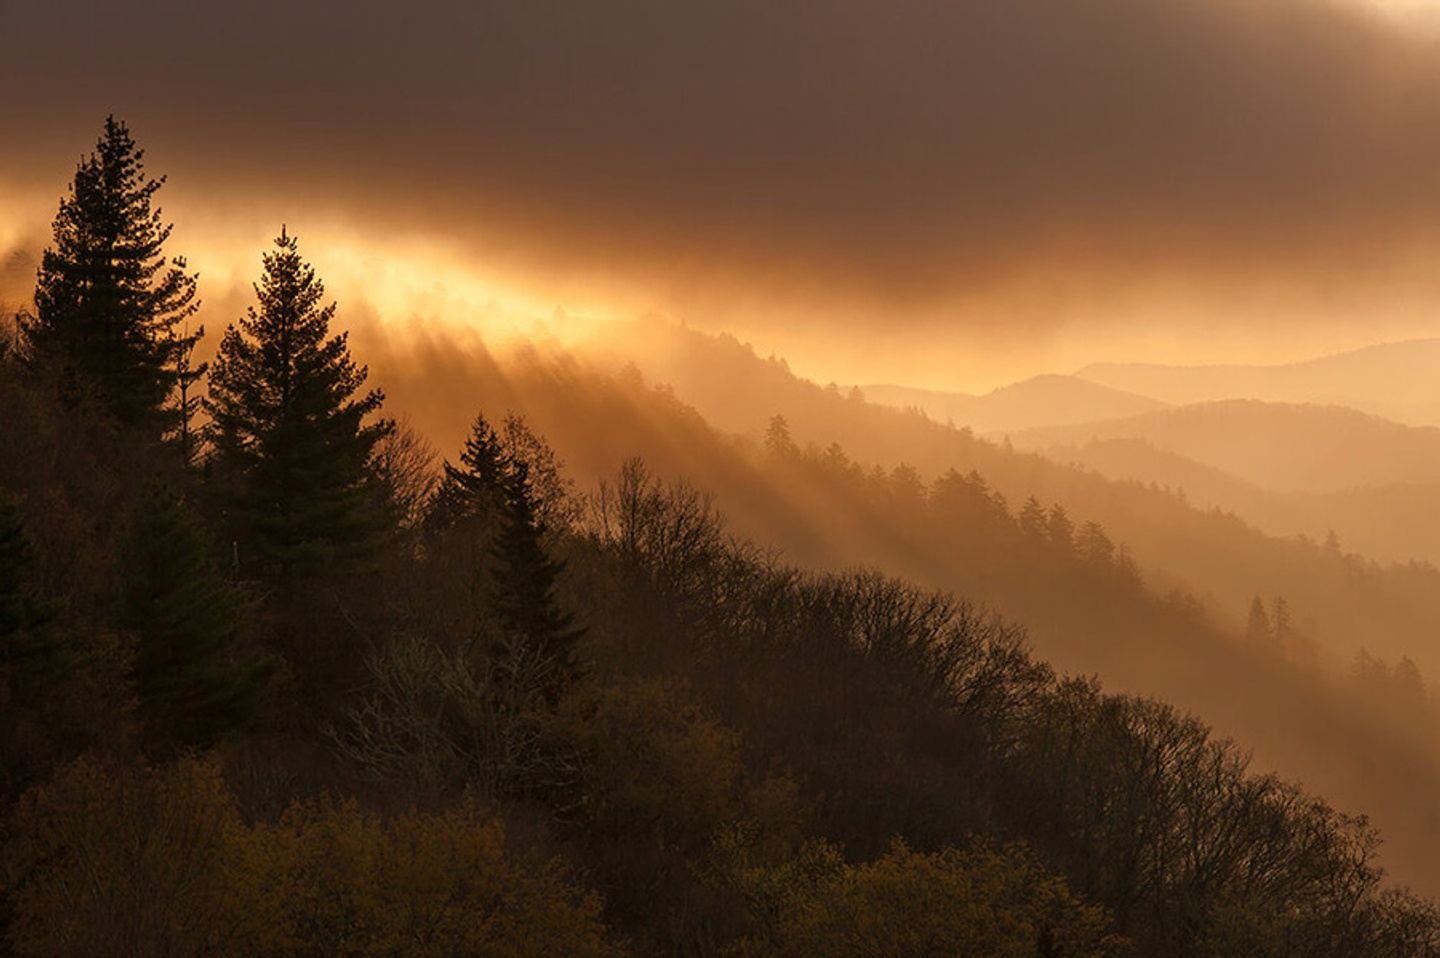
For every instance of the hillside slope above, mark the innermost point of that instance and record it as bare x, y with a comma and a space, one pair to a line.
1352, 602
1086, 609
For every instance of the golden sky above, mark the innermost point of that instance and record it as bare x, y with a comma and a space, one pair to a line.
951, 193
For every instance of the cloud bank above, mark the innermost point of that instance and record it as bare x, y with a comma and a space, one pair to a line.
877, 161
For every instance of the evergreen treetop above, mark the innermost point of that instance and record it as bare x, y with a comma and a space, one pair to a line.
292, 434
475, 487
495, 485
110, 309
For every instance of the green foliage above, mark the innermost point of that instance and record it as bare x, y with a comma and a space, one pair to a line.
194, 674
858, 681
292, 447
728, 725
108, 307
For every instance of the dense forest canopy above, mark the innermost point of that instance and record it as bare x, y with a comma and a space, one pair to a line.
280, 677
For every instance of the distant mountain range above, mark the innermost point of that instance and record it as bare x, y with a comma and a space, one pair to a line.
1223, 557
1392, 523
1399, 381
1281, 446
1049, 400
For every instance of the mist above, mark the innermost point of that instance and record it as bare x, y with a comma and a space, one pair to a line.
765, 479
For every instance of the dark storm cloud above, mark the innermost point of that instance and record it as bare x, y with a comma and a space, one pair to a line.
906, 149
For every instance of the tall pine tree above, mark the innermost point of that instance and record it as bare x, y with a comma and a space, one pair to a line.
109, 306
293, 435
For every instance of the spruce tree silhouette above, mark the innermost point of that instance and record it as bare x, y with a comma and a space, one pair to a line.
493, 488
538, 634
293, 436
108, 305
473, 489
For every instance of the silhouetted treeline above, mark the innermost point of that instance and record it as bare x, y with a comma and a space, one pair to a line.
280, 683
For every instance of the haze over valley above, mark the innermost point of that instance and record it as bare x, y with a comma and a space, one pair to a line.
737, 480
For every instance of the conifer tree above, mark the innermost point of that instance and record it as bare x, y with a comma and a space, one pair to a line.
538, 634
187, 374
494, 486
292, 434
1258, 626
778, 442
475, 487
1094, 545
1032, 518
1282, 625
108, 304
193, 675
1060, 529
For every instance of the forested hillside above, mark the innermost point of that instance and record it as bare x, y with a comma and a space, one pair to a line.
282, 679
1348, 601
1089, 607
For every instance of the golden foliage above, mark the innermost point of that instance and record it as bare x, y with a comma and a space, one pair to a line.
945, 903
345, 883
653, 759
122, 860
157, 862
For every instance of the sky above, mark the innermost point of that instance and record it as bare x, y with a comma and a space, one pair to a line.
944, 192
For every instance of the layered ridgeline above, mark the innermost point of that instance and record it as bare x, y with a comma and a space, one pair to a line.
1393, 380
1285, 447
1287, 468
1305, 466
1349, 602
1396, 522
1040, 401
